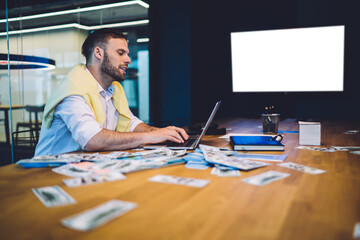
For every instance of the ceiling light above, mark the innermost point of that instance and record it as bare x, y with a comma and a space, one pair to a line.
25, 62
79, 26
78, 10
142, 40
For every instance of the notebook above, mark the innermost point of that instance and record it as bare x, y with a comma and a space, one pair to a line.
192, 142
256, 143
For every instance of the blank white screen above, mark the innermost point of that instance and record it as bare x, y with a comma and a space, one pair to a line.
290, 60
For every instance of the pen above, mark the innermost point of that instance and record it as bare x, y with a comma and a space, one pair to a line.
266, 111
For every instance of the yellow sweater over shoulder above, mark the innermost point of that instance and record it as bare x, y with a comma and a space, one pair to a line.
82, 83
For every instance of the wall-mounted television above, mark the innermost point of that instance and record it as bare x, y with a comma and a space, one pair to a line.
288, 60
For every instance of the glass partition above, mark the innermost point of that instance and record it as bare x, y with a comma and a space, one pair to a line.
44, 44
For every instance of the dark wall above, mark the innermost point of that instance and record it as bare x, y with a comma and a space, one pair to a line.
170, 69
211, 59
210, 25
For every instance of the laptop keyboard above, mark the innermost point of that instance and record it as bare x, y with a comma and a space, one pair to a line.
187, 143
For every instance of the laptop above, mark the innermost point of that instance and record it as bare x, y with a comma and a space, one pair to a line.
192, 142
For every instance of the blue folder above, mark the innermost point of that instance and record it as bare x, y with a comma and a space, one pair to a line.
255, 143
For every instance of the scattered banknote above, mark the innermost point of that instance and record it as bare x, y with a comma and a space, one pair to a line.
95, 158
161, 153
117, 154
228, 152
171, 153
122, 155
302, 168
253, 156
263, 157
83, 156
243, 163
99, 215
51, 157
58, 160
319, 149
346, 148
225, 172
351, 132
357, 230
164, 151
223, 167
125, 166
53, 196
196, 165
265, 178
330, 149
196, 161
110, 164
45, 157
214, 155
73, 170
192, 182
41, 163
225, 151
37, 160
195, 156
98, 178
51, 160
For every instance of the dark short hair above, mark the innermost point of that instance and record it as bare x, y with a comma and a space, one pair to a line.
99, 38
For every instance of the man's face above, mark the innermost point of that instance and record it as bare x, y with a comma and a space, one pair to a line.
116, 59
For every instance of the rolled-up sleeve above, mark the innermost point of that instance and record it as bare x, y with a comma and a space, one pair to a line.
79, 119
134, 122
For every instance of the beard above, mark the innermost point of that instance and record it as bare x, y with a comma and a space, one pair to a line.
108, 69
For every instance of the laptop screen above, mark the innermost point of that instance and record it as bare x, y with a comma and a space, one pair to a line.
212, 115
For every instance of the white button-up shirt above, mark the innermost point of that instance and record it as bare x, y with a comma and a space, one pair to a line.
74, 124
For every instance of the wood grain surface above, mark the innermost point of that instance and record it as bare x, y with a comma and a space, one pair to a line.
301, 206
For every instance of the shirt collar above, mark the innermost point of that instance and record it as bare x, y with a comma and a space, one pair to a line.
109, 91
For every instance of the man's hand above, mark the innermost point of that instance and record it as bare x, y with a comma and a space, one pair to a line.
170, 133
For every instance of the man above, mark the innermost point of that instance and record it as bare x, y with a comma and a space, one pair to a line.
89, 110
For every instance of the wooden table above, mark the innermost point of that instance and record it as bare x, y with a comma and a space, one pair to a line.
6, 109
301, 206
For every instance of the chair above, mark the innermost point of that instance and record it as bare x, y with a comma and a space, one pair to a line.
34, 124
2, 121
25, 138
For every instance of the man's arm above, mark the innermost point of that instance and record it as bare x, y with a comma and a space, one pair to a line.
143, 134
80, 121
143, 127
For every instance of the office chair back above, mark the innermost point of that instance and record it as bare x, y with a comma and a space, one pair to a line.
34, 123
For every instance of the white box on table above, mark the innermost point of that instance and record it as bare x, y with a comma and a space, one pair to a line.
309, 133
